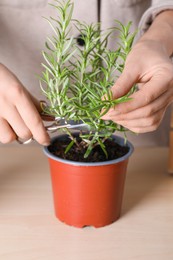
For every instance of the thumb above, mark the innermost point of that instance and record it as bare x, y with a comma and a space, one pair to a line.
39, 106
124, 83
34, 100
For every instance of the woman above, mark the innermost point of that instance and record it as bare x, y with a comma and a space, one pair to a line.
23, 33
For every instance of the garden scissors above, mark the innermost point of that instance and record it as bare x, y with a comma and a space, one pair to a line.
57, 123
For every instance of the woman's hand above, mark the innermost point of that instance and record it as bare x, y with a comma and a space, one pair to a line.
19, 116
148, 65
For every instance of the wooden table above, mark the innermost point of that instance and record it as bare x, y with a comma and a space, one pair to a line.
30, 231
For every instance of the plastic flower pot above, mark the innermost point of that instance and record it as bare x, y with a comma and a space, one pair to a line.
88, 194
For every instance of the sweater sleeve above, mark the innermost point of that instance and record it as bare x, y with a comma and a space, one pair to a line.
157, 7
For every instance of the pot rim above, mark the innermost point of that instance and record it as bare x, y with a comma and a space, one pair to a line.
119, 140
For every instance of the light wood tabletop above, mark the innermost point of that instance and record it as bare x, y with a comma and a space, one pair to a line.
30, 231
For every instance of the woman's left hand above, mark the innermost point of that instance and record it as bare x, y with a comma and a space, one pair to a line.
148, 65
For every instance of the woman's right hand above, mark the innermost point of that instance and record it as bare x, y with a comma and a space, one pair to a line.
19, 111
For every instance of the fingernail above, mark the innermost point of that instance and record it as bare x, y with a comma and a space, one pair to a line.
115, 113
106, 117
111, 114
46, 144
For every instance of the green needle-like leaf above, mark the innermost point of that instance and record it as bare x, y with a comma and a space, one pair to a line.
77, 80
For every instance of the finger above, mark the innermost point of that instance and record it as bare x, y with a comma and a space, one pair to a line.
32, 119
151, 91
143, 130
125, 82
16, 122
40, 106
7, 134
144, 125
37, 103
161, 102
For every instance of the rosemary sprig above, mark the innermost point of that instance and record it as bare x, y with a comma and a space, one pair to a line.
75, 80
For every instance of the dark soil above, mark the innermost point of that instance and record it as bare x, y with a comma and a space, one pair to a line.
76, 153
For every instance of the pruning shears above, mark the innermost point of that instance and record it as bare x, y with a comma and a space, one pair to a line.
57, 123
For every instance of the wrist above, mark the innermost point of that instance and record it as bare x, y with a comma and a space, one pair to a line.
147, 43
161, 32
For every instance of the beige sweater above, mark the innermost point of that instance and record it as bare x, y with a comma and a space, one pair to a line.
23, 33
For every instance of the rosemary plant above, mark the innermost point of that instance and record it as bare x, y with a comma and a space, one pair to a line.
76, 80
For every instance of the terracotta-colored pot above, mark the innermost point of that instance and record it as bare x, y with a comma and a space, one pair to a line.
88, 194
